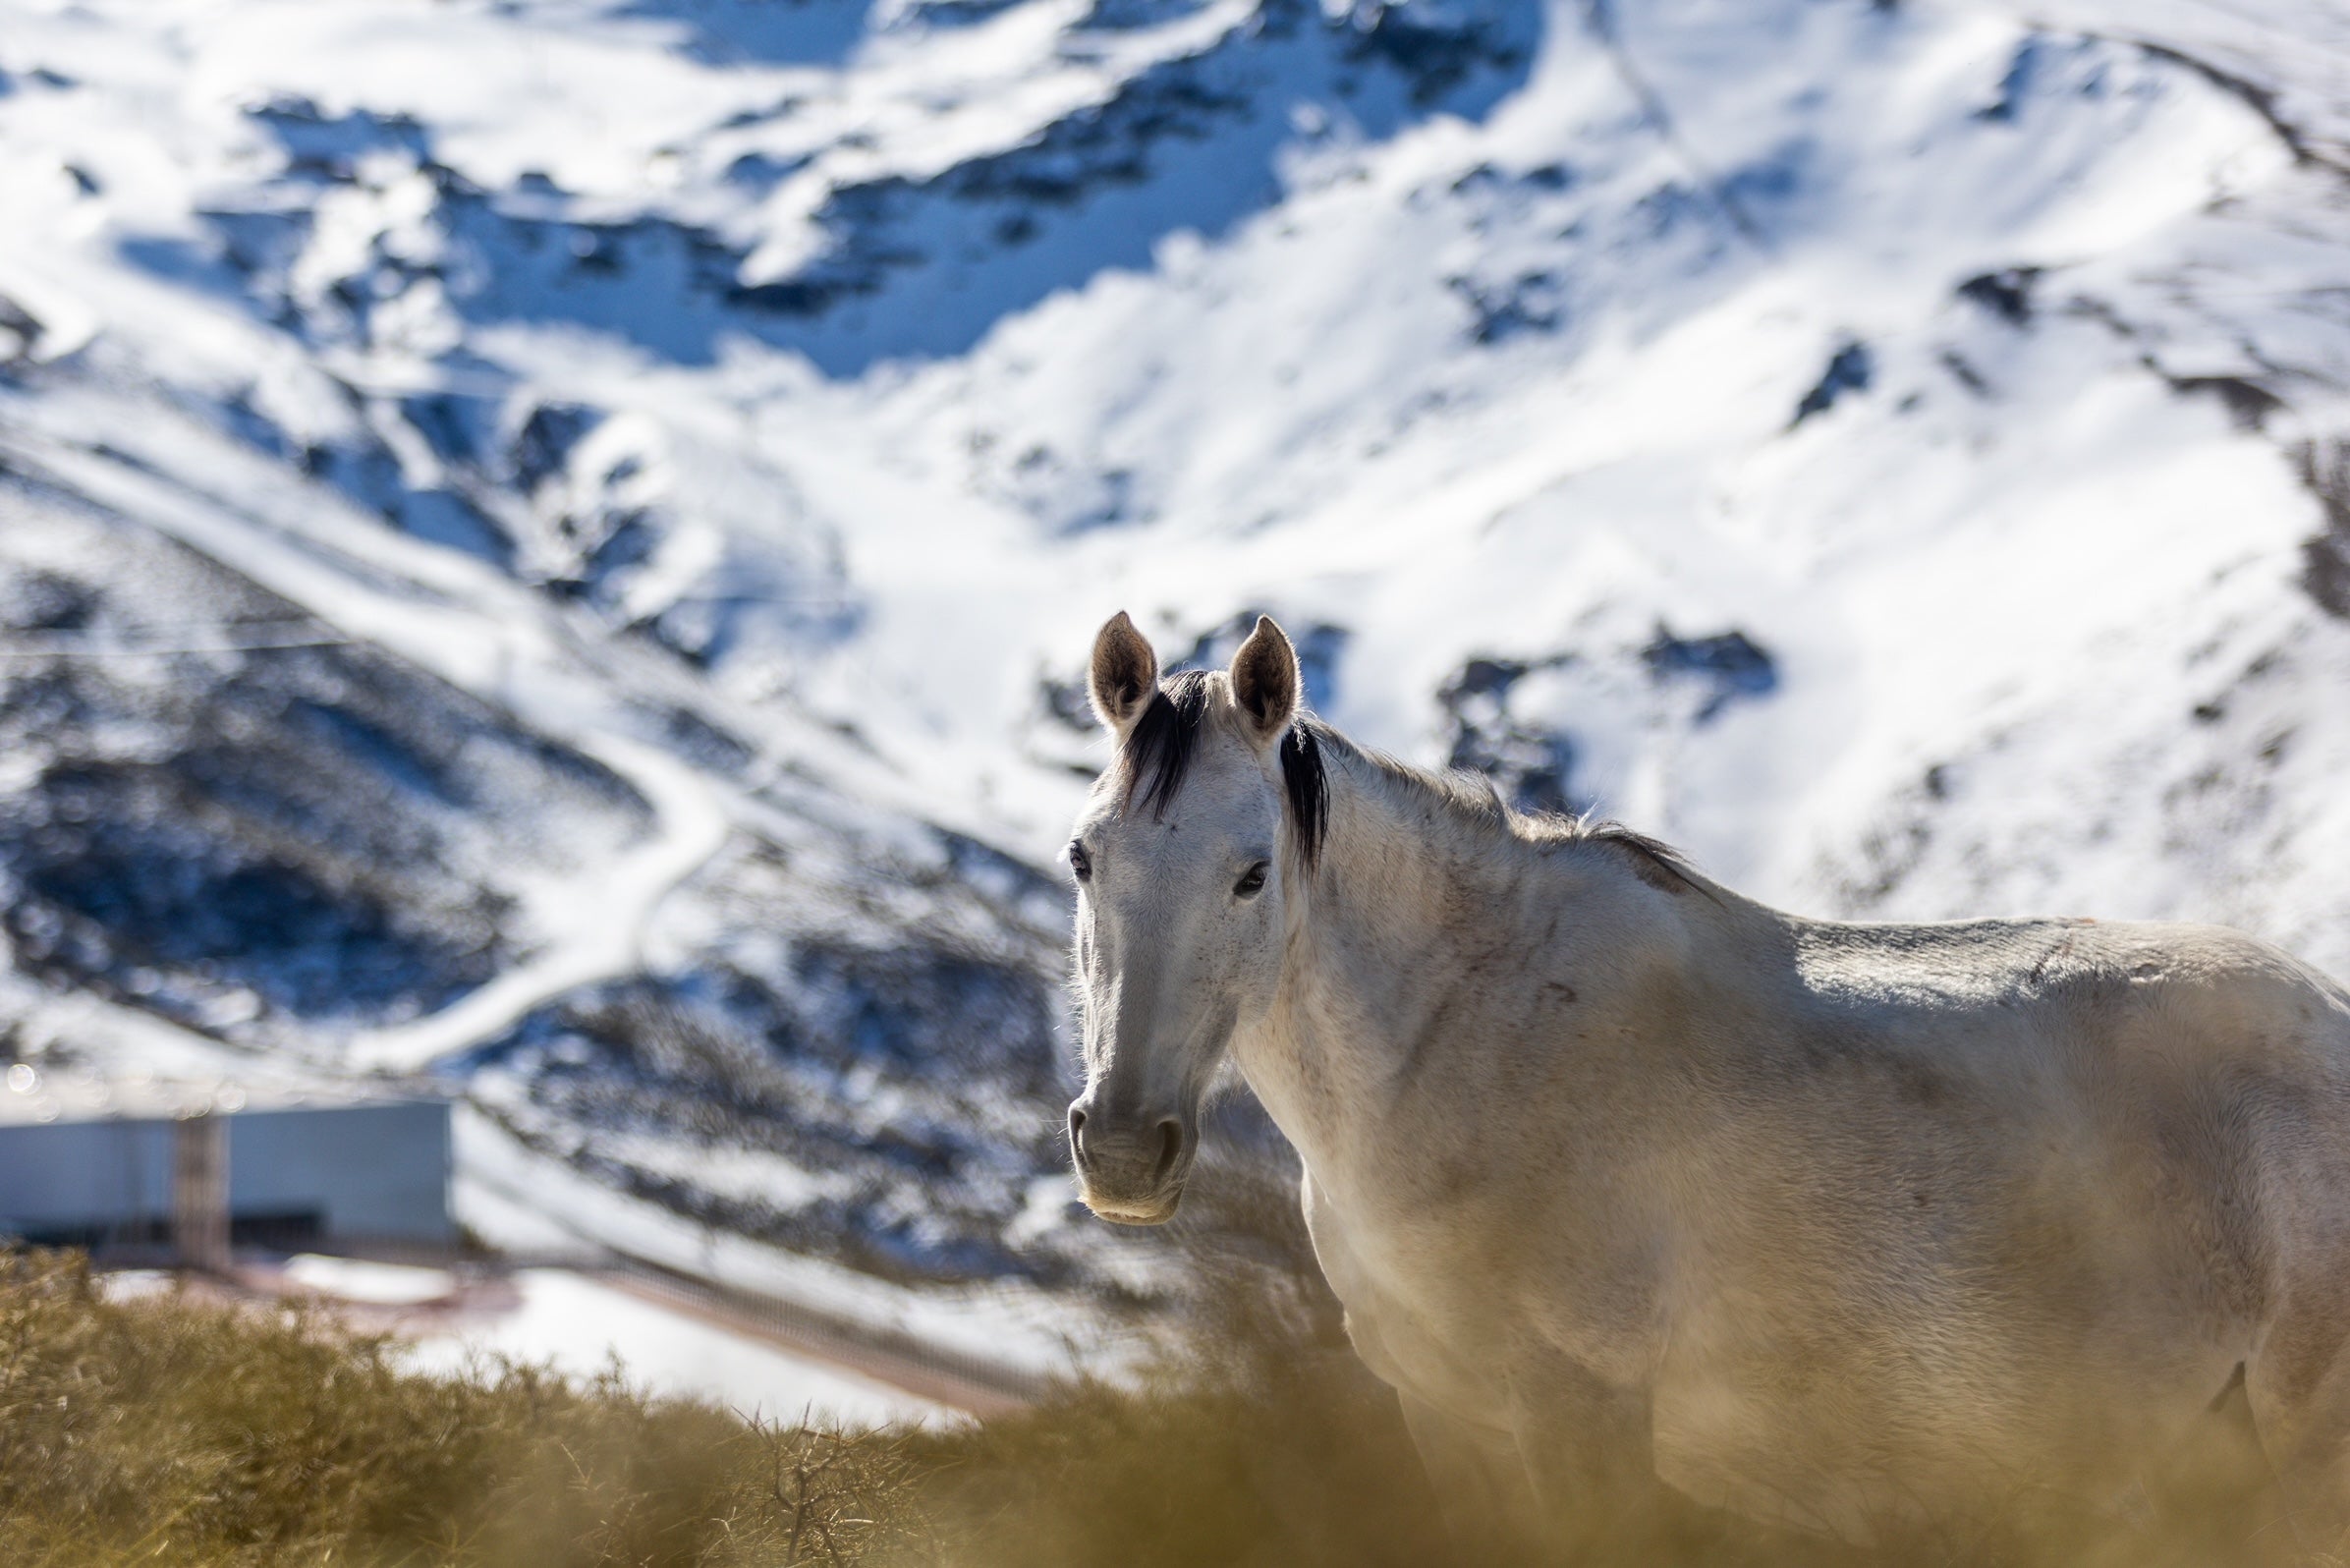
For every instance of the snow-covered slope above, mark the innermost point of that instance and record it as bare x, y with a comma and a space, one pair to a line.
1899, 452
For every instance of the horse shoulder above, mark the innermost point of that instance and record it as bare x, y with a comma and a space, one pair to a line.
1390, 1337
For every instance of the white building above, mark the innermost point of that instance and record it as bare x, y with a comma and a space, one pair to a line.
147, 1164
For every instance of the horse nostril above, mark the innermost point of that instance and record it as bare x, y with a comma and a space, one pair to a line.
1077, 1131
1170, 1146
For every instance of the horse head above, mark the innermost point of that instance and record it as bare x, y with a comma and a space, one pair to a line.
1182, 882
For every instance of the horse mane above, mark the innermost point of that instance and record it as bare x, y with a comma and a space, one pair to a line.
1157, 752
1654, 862
1474, 799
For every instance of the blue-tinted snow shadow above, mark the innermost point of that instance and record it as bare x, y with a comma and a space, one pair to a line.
915, 268
803, 33
925, 268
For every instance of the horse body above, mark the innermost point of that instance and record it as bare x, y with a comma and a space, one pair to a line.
1621, 1175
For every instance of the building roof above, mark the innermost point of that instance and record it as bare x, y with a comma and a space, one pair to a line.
33, 1094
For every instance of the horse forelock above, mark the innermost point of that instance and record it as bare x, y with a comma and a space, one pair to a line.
1157, 753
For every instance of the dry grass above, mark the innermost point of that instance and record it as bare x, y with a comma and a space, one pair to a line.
172, 1430
1313, 1470
176, 1431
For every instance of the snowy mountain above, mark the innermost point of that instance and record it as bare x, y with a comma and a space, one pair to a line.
554, 540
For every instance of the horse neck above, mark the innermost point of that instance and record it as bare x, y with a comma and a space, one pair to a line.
1402, 889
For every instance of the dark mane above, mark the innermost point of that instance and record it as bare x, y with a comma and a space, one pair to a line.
1307, 786
1474, 798
1158, 754
1654, 861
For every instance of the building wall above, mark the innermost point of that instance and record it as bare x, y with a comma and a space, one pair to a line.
371, 1170
72, 1176
365, 1171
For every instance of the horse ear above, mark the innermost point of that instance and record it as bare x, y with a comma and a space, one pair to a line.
1265, 682
1125, 675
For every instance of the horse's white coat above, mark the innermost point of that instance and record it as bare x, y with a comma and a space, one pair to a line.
1619, 1173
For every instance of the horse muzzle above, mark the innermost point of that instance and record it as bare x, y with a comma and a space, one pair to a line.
1131, 1172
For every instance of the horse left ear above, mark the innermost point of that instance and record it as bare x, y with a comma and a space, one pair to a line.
1265, 682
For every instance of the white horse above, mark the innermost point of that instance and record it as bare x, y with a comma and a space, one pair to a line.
1622, 1176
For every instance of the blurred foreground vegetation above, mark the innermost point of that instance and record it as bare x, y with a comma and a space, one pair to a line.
177, 1431
173, 1430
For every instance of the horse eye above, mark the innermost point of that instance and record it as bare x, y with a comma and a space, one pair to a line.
1251, 881
1080, 863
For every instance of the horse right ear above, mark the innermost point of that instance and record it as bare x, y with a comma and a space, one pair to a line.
1125, 674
